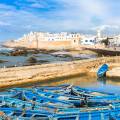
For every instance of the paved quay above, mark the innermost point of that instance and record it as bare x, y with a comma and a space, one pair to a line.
38, 73
114, 72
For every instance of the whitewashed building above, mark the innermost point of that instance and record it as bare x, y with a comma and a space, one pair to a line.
47, 40
46, 36
88, 41
115, 41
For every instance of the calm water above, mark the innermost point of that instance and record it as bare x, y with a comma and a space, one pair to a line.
106, 85
42, 57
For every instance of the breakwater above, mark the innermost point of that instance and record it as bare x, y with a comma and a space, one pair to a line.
40, 73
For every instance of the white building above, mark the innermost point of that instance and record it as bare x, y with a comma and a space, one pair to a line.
88, 41
47, 40
46, 36
115, 41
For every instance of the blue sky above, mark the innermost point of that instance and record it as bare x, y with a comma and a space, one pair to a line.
22, 16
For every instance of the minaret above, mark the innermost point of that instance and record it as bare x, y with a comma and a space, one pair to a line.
98, 33
36, 40
98, 38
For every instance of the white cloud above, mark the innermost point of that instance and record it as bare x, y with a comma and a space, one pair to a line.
70, 15
37, 5
104, 27
4, 23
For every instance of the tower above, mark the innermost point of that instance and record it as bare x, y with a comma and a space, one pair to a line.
98, 33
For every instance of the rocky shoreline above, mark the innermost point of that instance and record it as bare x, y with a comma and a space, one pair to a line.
26, 57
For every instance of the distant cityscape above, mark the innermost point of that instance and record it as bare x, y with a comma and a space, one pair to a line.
64, 40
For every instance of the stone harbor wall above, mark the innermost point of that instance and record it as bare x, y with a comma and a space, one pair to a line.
16, 76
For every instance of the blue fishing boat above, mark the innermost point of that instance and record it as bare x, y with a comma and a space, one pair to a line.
108, 99
59, 87
102, 70
16, 103
76, 90
22, 114
95, 113
9, 93
28, 95
66, 88
76, 100
59, 103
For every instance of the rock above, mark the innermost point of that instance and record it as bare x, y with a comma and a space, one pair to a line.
43, 61
18, 52
31, 60
2, 61
4, 53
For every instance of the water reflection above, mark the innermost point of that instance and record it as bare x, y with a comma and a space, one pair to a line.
102, 80
102, 84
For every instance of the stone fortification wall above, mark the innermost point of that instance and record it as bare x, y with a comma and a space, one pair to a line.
42, 45
54, 45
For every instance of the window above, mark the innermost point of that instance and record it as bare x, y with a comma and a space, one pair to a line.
86, 40
91, 41
74, 41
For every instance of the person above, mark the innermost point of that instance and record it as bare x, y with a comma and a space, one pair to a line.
84, 101
33, 105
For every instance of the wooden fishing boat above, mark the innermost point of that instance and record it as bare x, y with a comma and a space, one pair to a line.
102, 70
62, 86
64, 89
8, 94
69, 114
95, 98
76, 90
51, 103
103, 100
76, 100
96, 113
16, 103
60, 96
28, 95
22, 114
